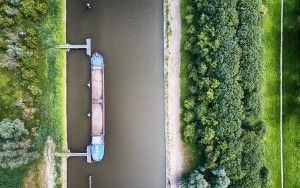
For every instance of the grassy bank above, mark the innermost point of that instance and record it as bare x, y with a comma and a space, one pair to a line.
270, 90
55, 89
291, 84
32, 80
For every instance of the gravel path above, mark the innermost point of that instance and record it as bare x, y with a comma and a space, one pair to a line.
172, 70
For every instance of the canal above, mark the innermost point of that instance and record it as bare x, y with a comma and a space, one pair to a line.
129, 34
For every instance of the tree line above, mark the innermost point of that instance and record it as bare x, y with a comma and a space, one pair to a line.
222, 110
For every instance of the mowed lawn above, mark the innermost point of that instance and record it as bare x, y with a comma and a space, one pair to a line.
270, 90
291, 85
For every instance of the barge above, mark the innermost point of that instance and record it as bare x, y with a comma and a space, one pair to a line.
97, 108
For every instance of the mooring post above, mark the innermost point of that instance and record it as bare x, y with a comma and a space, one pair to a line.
90, 181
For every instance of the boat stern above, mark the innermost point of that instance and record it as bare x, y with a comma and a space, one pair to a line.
97, 148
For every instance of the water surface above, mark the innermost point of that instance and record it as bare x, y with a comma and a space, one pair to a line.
129, 34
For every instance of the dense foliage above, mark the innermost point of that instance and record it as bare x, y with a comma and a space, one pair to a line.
21, 65
27, 64
222, 107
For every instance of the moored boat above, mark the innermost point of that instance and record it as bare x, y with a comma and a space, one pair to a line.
97, 107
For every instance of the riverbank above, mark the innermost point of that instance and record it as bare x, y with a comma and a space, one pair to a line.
270, 90
174, 145
33, 77
56, 166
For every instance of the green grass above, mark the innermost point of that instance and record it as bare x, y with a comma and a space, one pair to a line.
270, 90
55, 99
291, 85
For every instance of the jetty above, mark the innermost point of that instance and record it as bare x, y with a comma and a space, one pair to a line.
86, 46
71, 154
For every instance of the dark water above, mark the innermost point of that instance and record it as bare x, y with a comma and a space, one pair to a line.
129, 34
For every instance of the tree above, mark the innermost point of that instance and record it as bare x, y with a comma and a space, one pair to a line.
28, 8
207, 135
15, 2
189, 133
189, 103
195, 180
15, 146
264, 175
206, 178
15, 51
219, 180
35, 90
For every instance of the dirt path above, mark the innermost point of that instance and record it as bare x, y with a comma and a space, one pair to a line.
172, 68
281, 95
